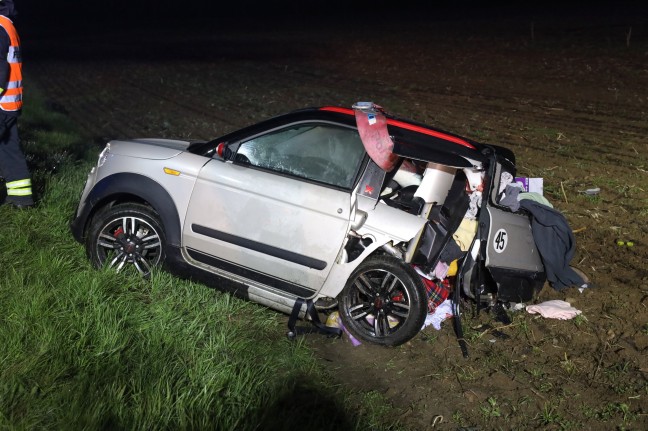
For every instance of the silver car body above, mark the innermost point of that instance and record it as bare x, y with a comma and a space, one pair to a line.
283, 237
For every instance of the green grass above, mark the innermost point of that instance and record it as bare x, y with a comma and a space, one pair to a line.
90, 349
490, 409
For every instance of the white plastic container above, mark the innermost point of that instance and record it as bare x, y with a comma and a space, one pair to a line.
437, 180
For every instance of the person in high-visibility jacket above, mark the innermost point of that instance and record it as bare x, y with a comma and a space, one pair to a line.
13, 166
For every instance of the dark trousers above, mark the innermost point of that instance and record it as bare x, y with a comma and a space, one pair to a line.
13, 166
12, 159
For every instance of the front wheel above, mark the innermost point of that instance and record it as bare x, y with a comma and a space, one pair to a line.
383, 302
126, 237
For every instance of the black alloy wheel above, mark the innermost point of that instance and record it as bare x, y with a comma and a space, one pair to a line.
383, 302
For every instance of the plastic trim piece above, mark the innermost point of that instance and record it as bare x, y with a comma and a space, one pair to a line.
260, 247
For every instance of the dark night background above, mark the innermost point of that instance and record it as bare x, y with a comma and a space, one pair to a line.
80, 24
97, 15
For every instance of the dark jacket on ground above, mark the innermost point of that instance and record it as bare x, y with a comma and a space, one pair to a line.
555, 242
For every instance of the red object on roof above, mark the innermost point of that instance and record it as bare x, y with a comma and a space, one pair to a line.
372, 126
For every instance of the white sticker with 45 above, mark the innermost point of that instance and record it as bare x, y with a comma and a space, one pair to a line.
500, 241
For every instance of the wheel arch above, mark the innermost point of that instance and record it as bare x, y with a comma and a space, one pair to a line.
341, 271
130, 187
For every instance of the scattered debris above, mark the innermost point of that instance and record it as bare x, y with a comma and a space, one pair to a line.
625, 243
591, 192
554, 309
334, 321
441, 313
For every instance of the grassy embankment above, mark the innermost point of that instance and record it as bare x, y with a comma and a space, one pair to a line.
82, 348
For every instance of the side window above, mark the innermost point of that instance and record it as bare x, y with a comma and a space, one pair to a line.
321, 152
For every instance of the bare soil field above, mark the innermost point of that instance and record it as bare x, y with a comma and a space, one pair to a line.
571, 100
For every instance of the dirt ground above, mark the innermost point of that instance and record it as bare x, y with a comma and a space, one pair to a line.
571, 100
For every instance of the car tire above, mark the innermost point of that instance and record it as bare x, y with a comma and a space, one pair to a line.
126, 237
383, 302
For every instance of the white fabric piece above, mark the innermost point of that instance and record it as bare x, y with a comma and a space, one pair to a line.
555, 309
505, 179
441, 313
475, 204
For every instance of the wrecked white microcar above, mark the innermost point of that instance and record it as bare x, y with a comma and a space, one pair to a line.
331, 207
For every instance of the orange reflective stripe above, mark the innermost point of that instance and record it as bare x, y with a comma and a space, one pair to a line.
11, 99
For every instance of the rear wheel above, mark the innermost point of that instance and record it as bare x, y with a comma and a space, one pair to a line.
126, 237
383, 302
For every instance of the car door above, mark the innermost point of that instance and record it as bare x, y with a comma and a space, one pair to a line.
279, 211
511, 254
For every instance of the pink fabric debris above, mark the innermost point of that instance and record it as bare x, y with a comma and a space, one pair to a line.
555, 309
335, 321
372, 126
